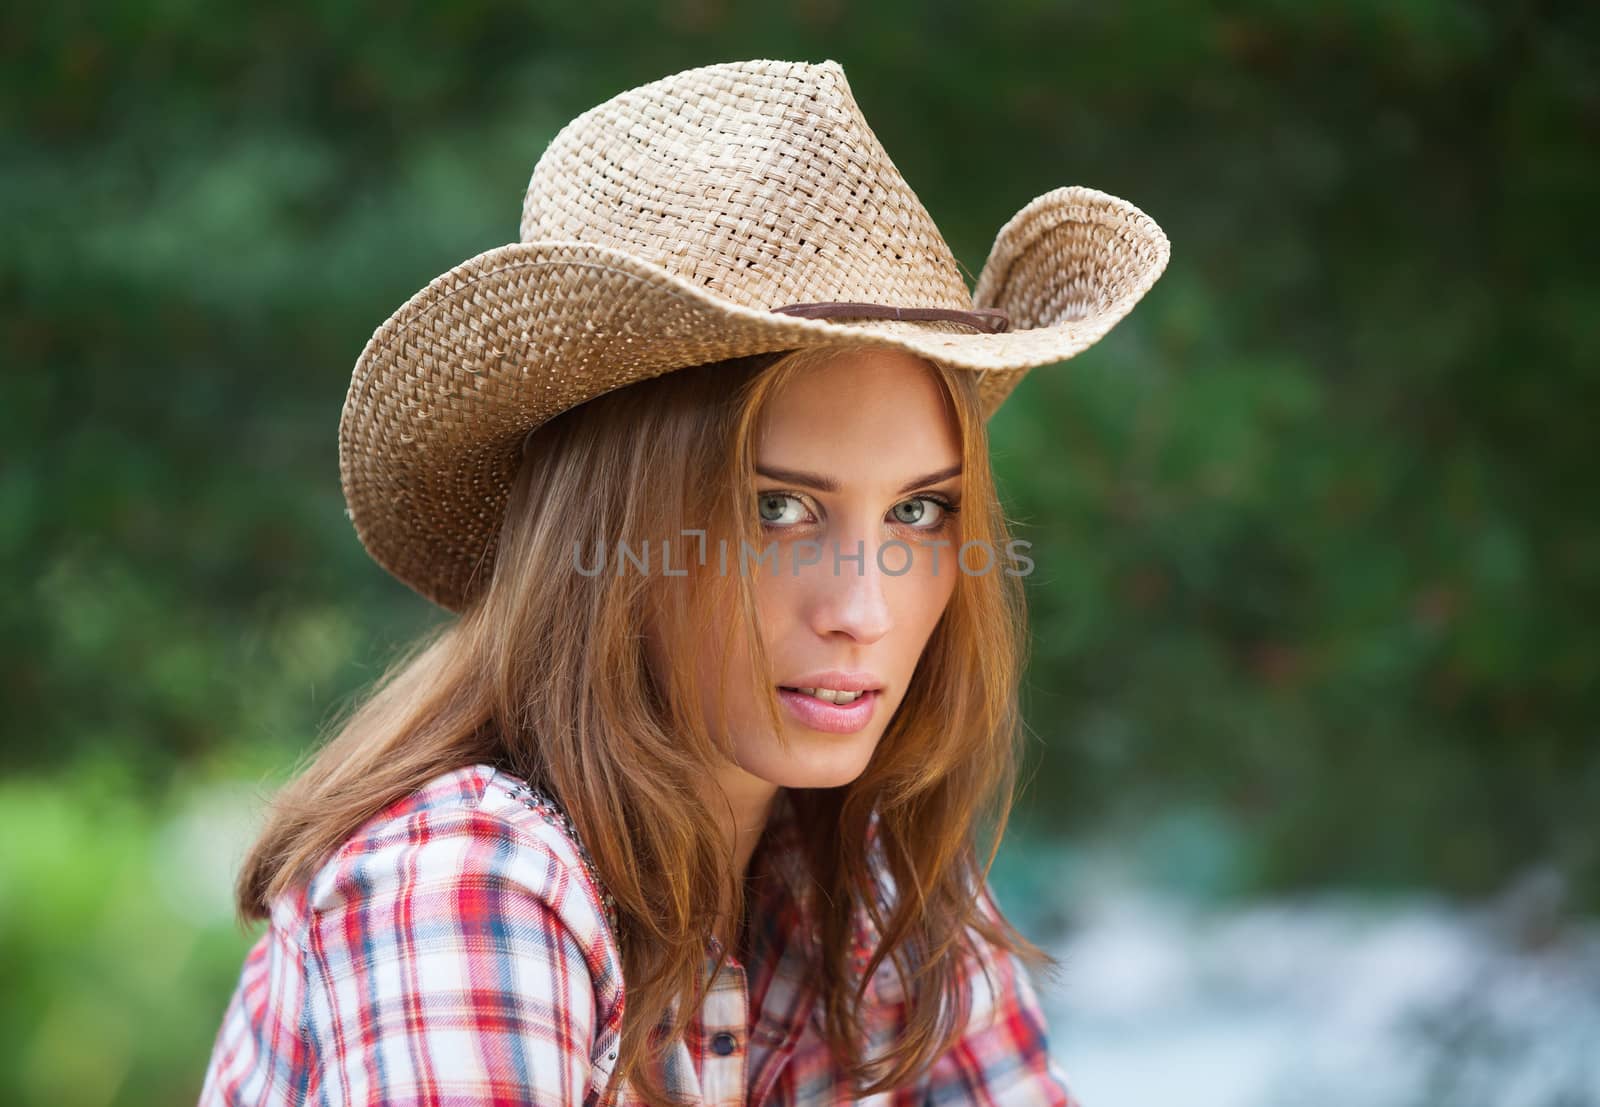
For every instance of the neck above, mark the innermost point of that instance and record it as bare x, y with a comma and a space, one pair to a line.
744, 805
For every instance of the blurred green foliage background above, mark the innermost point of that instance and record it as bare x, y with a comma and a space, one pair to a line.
1315, 528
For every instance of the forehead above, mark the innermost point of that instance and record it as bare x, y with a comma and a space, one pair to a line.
861, 405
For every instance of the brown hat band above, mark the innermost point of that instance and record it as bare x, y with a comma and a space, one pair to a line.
988, 320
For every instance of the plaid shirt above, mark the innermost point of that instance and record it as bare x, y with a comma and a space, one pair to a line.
457, 950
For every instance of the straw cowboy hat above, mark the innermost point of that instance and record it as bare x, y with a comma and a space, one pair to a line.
727, 210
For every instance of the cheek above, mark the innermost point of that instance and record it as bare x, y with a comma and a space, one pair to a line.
780, 603
923, 597
737, 668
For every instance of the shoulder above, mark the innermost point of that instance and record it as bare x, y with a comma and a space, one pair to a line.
476, 823
1004, 1050
456, 938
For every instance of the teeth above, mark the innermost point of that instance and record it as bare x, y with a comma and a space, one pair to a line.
833, 695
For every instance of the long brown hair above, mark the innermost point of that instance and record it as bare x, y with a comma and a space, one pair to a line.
546, 673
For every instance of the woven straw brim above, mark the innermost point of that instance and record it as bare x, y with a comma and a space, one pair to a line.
449, 385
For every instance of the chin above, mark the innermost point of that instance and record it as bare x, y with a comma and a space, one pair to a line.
816, 760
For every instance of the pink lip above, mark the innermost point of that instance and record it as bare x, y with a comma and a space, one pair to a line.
830, 718
838, 680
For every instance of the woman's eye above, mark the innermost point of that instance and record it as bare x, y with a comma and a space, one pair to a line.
779, 509
785, 509
923, 512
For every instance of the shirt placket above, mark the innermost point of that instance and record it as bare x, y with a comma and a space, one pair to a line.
724, 1038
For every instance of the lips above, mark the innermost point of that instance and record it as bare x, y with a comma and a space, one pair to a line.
830, 718
838, 697
840, 680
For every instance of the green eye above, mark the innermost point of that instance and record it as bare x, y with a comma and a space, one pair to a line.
915, 512
777, 508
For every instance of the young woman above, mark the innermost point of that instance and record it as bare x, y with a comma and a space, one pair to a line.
695, 802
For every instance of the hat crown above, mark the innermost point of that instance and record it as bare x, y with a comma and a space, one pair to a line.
758, 181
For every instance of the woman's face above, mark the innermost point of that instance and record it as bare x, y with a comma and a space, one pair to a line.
857, 470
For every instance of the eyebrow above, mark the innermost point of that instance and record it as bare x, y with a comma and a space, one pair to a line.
828, 484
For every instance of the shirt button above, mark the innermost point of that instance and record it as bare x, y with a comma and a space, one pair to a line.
723, 1043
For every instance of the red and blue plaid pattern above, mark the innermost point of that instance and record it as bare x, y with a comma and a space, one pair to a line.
456, 952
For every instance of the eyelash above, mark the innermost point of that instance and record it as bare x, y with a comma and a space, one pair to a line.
949, 509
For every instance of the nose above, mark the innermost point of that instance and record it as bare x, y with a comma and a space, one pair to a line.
849, 596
